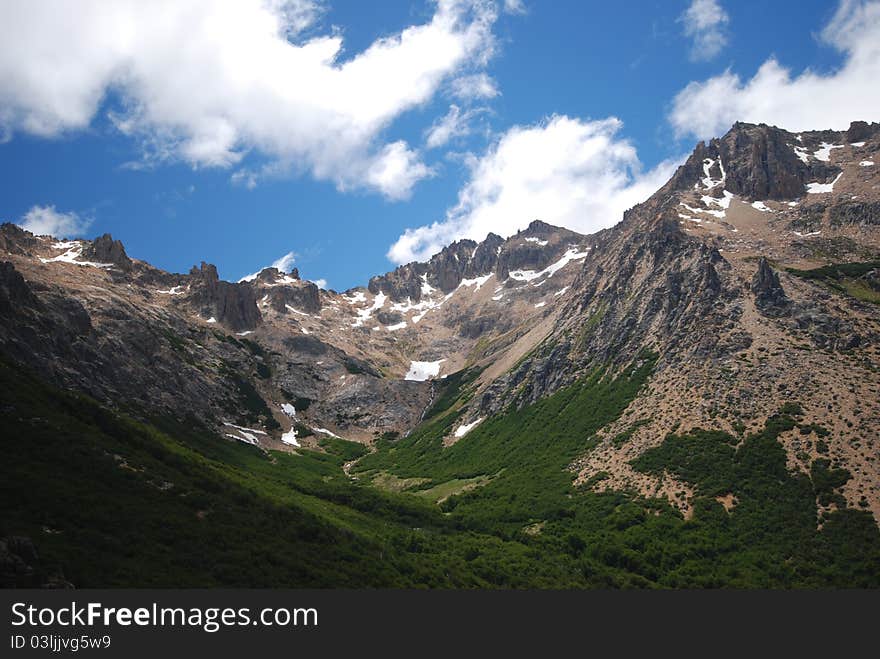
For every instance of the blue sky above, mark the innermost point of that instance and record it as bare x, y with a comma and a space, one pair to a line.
239, 135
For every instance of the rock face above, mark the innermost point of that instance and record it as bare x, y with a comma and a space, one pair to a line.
286, 292
106, 250
15, 240
756, 162
769, 296
233, 305
14, 292
532, 249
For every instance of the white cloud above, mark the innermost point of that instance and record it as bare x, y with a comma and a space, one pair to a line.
46, 220
514, 6
807, 101
704, 23
320, 283
283, 263
396, 170
565, 171
207, 81
474, 87
454, 123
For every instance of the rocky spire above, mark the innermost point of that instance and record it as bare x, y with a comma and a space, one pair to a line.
104, 249
770, 298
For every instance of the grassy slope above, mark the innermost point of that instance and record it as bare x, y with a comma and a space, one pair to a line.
235, 516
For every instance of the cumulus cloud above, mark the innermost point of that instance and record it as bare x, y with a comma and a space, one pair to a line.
807, 101
704, 23
208, 81
566, 171
46, 220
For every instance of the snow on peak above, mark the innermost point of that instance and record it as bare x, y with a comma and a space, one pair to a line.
72, 255
421, 371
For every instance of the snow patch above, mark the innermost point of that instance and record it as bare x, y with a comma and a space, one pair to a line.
289, 438
72, 255
357, 298
479, 281
561, 291
244, 333
761, 206
211, 320
464, 429
806, 235
398, 326
538, 241
421, 371
818, 188
427, 289
824, 152
571, 255
708, 182
802, 153
174, 290
365, 314
866, 163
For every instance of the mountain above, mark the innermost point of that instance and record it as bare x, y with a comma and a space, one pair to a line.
689, 398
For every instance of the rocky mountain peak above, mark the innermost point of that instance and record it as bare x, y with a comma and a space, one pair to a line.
760, 162
533, 248
233, 305
104, 249
15, 240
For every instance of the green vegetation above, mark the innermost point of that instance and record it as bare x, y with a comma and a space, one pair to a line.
166, 502
450, 389
846, 278
770, 539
